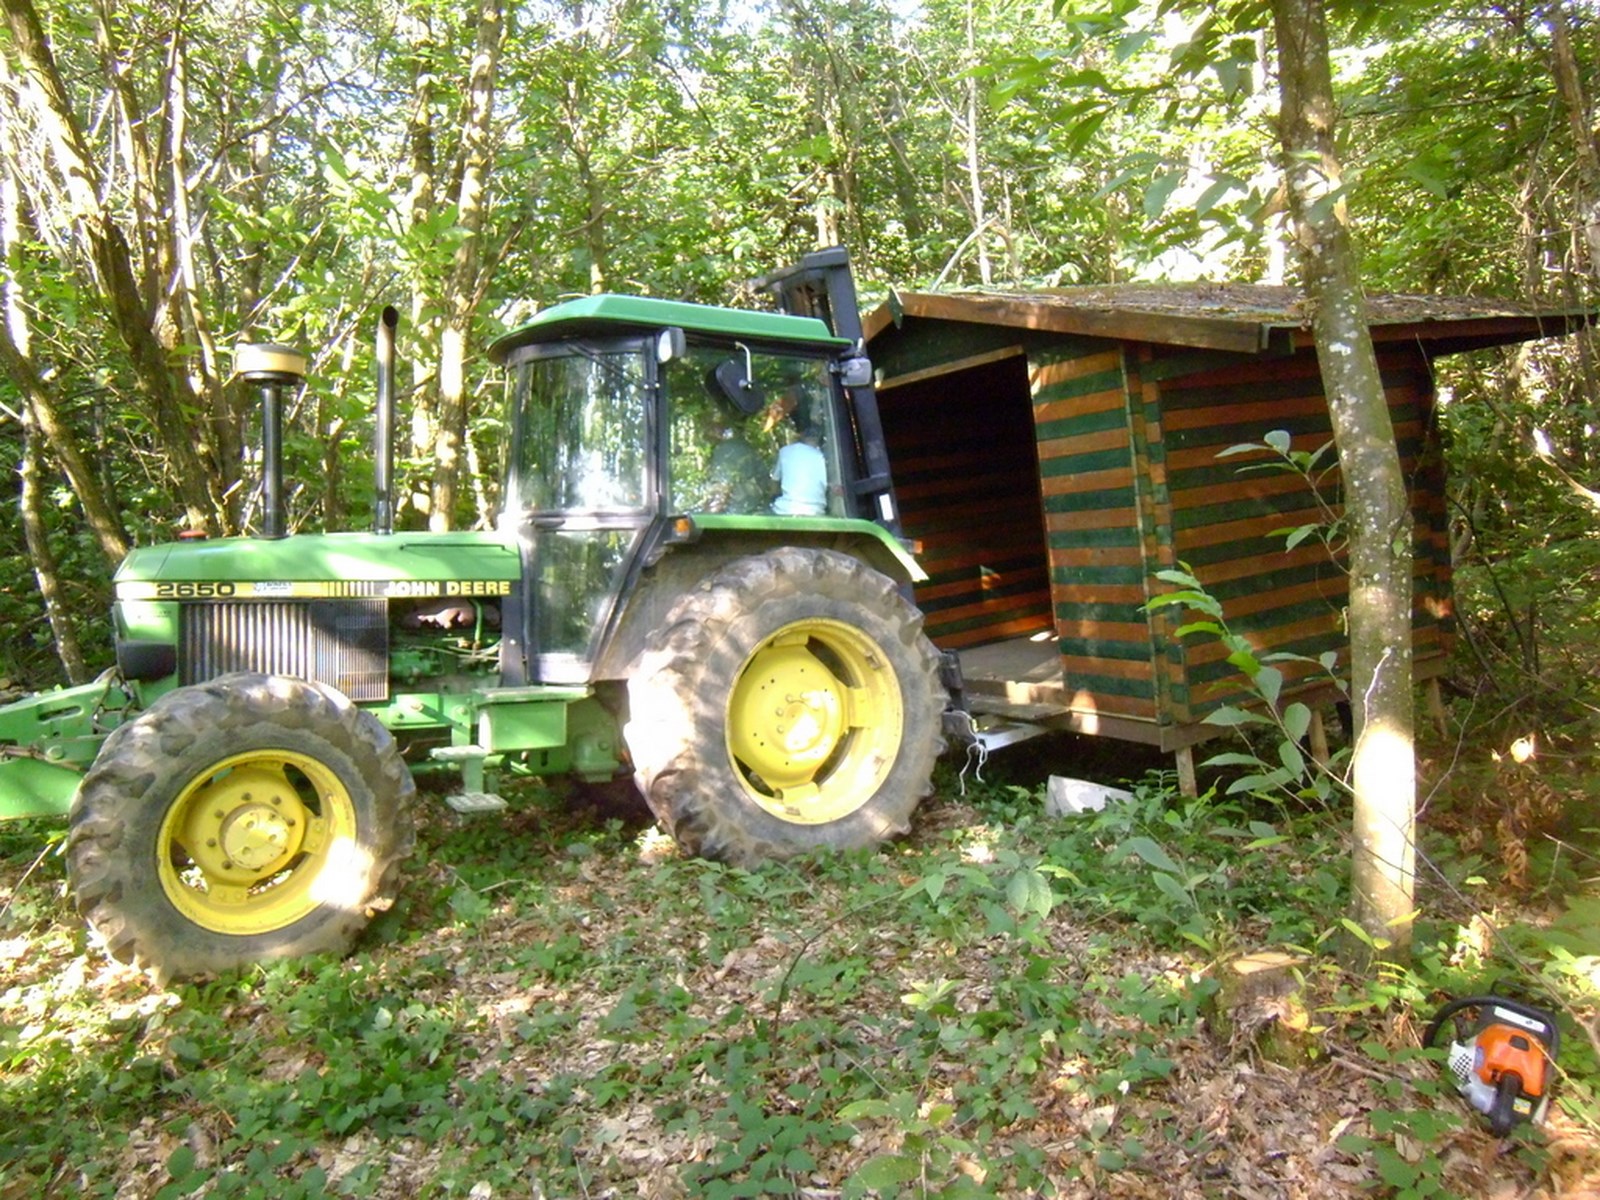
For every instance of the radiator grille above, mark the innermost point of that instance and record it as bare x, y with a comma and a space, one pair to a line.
343, 643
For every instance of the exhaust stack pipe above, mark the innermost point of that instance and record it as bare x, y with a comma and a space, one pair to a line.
383, 436
274, 369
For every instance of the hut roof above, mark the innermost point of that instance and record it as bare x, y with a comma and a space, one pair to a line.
1245, 318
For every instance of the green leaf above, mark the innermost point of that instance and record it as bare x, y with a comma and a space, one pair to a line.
1240, 448
1131, 43
1427, 173
1279, 440
1116, 181
1298, 534
1394, 1170
1230, 717
1213, 195
1198, 627
866, 1109
1263, 843
1293, 761
1159, 192
180, 1162
1361, 935
1172, 889
1028, 891
1269, 682
1245, 660
1201, 601
1260, 785
1152, 853
1296, 720
886, 1172
1233, 759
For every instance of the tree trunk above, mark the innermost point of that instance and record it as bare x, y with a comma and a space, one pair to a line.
1569, 83
44, 561
461, 303
1376, 506
216, 433
16, 357
980, 217
45, 94
421, 199
590, 183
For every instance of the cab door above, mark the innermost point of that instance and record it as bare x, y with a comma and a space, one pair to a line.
582, 490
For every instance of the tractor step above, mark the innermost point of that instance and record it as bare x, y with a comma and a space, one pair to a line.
475, 802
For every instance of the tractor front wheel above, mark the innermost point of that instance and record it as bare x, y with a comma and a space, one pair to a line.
237, 821
790, 702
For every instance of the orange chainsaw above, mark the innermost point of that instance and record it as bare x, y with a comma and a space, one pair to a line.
1503, 1065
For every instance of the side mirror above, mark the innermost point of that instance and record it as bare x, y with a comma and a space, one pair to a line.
671, 344
735, 380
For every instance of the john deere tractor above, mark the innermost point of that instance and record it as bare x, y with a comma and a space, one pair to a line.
653, 611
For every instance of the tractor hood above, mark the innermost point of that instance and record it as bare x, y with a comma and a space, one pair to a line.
322, 565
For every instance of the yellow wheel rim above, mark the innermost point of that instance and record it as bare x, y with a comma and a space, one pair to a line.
247, 845
814, 721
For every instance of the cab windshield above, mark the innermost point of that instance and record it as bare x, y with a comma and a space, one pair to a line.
584, 444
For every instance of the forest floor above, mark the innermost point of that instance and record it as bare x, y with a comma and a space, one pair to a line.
1004, 1005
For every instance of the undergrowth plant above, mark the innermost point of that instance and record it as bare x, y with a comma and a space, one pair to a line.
1007, 1005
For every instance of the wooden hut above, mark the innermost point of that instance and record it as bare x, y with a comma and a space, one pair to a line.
1054, 450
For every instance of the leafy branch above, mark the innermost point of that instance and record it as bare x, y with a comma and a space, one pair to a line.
1293, 771
1317, 468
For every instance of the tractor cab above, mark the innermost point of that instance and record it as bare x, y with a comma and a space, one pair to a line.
634, 422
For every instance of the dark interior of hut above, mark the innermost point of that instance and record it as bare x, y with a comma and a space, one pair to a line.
966, 476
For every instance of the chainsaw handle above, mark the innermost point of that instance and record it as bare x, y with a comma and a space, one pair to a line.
1516, 1006
1503, 1114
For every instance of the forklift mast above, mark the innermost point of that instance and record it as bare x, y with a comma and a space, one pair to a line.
820, 285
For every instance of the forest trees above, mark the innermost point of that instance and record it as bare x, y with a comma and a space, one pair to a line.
175, 178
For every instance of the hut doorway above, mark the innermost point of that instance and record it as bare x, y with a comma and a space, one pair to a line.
966, 471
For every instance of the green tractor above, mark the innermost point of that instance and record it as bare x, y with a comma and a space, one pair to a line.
666, 605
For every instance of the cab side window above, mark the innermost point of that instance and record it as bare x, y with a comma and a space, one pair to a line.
728, 458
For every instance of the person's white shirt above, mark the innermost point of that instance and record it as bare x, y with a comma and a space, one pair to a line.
802, 475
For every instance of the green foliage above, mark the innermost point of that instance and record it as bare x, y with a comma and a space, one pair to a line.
1398, 1150
553, 1008
1290, 772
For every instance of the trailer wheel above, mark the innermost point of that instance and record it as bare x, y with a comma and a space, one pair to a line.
246, 819
789, 703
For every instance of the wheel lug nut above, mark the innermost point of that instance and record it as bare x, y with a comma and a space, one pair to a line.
212, 842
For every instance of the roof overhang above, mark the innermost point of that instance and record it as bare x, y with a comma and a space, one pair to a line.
1241, 318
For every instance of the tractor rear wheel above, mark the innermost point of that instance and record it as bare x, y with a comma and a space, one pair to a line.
788, 703
246, 819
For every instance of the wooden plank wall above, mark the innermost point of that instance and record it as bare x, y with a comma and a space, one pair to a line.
1223, 521
1099, 522
961, 449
